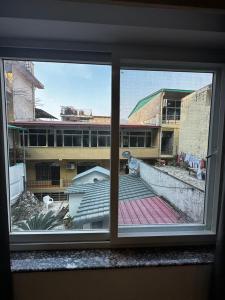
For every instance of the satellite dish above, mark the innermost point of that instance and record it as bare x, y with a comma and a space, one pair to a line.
126, 154
133, 164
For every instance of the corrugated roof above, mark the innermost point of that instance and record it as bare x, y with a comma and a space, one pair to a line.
137, 203
150, 97
40, 113
151, 210
96, 199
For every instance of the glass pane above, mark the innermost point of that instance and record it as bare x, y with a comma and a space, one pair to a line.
58, 182
86, 141
59, 142
33, 139
51, 140
93, 141
125, 141
68, 140
41, 140
162, 177
76, 140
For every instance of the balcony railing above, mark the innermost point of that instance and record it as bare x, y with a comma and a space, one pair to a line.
44, 184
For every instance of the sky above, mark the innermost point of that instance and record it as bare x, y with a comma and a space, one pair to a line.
87, 86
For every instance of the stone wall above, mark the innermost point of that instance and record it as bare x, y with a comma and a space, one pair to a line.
194, 123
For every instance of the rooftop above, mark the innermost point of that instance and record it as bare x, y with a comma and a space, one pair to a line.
41, 123
95, 169
138, 204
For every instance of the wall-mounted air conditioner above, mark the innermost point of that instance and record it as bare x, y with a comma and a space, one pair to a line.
70, 166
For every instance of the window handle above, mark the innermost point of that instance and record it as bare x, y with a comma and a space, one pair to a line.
211, 154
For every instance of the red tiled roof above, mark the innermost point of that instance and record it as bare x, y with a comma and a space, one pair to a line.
73, 124
151, 210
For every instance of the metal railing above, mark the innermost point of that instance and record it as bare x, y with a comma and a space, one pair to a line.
62, 183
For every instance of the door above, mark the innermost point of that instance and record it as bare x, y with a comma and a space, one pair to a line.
55, 170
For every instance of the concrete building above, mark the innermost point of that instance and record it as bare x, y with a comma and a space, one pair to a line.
70, 113
56, 151
161, 108
20, 89
194, 123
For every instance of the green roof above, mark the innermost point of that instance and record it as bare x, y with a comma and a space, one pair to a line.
150, 97
15, 127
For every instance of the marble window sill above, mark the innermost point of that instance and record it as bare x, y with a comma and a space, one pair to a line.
33, 261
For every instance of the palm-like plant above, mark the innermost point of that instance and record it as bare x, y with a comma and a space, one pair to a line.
40, 222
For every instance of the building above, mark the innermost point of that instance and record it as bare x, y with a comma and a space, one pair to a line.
194, 126
20, 95
70, 113
161, 108
56, 151
20, 88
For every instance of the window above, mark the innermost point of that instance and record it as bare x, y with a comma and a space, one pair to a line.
161, 161
45, 167
167, 184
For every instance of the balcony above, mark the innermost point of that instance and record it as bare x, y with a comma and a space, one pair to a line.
37, 186
82, 153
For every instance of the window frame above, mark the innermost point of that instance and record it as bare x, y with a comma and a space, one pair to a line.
188, 234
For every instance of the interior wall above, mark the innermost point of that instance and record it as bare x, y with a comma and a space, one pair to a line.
175, 283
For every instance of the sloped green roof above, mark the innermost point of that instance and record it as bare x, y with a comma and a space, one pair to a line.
150, 97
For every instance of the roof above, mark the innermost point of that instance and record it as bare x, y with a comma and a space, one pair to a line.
150, 97
41, 123
15, 127
137, 202
150, 210
40, 113
95, 169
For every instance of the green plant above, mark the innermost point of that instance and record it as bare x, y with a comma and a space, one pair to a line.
39, 222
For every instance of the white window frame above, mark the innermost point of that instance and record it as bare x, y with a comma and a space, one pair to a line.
154, 235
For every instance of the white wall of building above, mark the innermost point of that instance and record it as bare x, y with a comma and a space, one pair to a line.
188, 199
16, 179
74, 202
23, 97
89, 178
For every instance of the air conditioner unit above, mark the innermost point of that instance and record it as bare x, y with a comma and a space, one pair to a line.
70, 166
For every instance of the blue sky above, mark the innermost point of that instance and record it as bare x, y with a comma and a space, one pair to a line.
89, 86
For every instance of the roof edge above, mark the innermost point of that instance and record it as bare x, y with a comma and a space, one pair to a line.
156, 93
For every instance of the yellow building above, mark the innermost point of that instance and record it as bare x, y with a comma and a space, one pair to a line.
161, 108
56, 151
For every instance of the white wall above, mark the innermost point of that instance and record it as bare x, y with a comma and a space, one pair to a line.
16, 178
190, 201
89, 178
74, 202
23, 97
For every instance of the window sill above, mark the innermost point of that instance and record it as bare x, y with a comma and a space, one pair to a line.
36, 261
